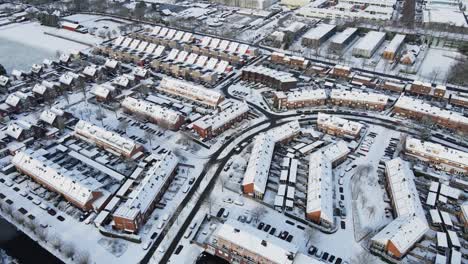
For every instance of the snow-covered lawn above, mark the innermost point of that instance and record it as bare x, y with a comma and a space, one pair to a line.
32, 34
437, 63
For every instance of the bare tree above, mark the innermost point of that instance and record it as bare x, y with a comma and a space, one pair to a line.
56, 242
363, 257
258, 213
149, 136
123, 125
68, 250
83, 258
311, 235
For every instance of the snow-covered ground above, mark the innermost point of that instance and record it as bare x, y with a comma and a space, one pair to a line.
23, 44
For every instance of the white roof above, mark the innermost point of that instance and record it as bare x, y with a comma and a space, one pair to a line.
319, 32
403, 190
153, 111
68, 77
437, 151
15, 128
320, 186
277, 75
442, 239
90, 70
403, 232
453, 238
446, 218
111, 63
341, 37
219, 119
435, 216
303, 95
49, 115
359, 96
97, 134
262, 152
419, 106
449, 191
68, 183
4, 80
141, 198
335, 122
249, 238
103, 91
395, 44
335, 151
370, 41
190, 91
464, 209
139, 71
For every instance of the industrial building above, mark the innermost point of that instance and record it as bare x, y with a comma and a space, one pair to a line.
369, 44
316, 36
341, 40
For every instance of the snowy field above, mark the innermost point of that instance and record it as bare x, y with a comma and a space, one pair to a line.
437, 63
21, 45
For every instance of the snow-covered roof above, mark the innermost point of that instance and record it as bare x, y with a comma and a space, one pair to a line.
359, 96
90, 70
396, 43
141, 198
256, 241
320, 187
442, 240
74, 186
49, 115
103, 91
259, 163
122, 80
15, 128
219, 119
410, 224
39, 88
14, 98
319, 32
36, 68
111, 63
335, 151
271, 73
338, 123
435, 216
97, 134
403, 232
453, 238
403, 189
436, 151
370, 41
190, 91
449, 191
153, 111
343, 36
303, 95
68, 77
419, 106
262, 152
140, 72
464, 209
4, 80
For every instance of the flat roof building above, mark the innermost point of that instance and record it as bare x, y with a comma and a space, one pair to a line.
369, 44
